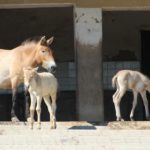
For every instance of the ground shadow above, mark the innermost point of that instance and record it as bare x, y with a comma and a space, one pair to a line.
89, 126
84, 127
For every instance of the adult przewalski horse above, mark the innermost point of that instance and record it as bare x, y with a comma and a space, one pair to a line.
135, 81
30, 53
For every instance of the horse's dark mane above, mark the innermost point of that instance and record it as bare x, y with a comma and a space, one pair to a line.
31, 40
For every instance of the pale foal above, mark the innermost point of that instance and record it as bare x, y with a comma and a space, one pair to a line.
135, 81
41, 85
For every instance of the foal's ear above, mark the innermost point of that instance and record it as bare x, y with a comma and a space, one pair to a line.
25, 69
50, 40
43, 40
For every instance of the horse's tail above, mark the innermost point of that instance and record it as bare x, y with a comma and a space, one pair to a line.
114, 80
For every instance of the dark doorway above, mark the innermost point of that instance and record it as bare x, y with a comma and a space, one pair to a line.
145, 56
145, 52
17, 25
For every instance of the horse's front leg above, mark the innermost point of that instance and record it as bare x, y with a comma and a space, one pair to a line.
13, 114
38, 110
27, 111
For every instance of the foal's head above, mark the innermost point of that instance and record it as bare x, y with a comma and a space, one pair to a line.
45, 55
29, 74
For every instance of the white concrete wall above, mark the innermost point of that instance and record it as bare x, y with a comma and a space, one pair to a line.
88, 26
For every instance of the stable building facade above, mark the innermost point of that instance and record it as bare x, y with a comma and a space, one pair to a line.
93, 40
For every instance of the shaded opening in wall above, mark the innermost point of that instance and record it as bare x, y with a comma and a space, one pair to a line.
122, 50
19, 23
145, 51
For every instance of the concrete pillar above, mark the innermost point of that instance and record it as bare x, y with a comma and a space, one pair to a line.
88, 30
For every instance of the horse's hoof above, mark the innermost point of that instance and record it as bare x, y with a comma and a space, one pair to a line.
132, 119
148, 118
120, 119
14, 119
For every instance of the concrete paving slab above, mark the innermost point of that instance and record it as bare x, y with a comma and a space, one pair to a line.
75, 136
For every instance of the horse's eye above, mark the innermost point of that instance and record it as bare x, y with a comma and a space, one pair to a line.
43, 51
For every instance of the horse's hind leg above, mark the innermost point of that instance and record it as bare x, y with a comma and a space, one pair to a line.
145, 101
51, 112
13, 114
26, 106
133, 105
116, 101
54, 106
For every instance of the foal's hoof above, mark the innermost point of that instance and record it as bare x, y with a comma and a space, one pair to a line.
14, 119
39, 126
53, 126
28, 119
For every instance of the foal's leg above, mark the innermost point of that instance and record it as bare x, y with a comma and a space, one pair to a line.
51, 112
38, 110
116, 93
13, 115
133, 104
145, 101
32, 109
116, 101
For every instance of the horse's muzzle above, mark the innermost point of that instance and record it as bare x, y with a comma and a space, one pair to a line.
52, 69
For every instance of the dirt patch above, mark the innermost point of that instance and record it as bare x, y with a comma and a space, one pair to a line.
140, 125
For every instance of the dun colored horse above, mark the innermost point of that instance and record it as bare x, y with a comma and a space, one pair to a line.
135, 81
28, 54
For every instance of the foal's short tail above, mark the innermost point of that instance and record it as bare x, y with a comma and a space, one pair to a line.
114, 80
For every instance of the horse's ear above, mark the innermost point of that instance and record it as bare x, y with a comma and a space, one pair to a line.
43, 40
50, 40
